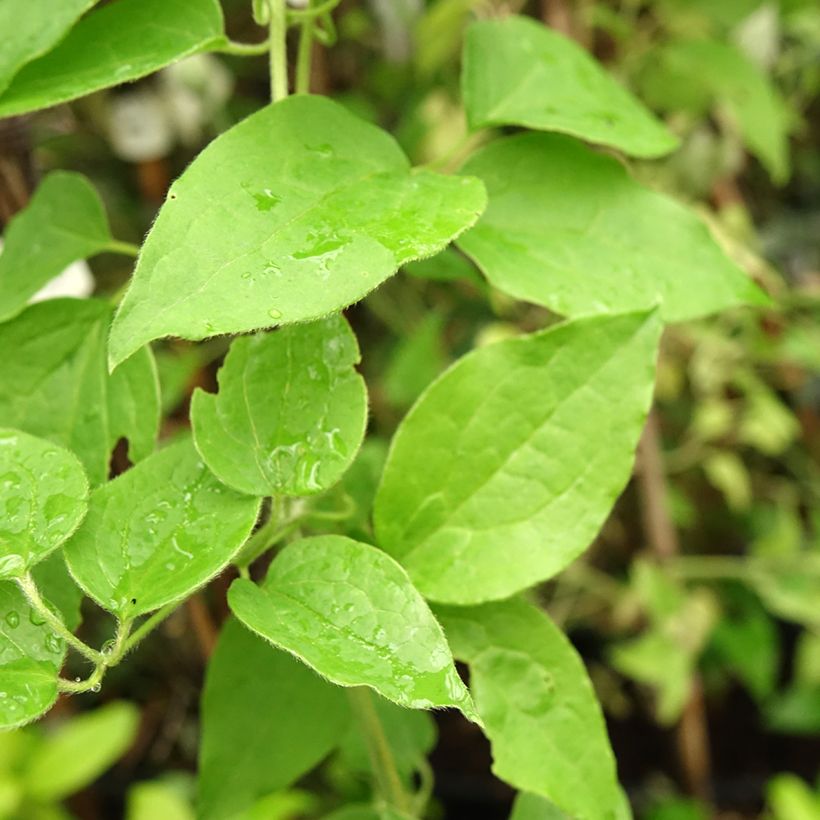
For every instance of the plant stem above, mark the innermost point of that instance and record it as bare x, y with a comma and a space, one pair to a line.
149, 625
29, 589
244, 49
278, 50
125, 248
107, 659
303, 56
385, 772
709, 567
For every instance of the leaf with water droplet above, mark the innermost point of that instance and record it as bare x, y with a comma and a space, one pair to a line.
350, 611
29, 664
539, 709
55, 384
248, 751
507, 466
64, 221
568, 228
43, 498
350, 211
290, 413
168, 509
519, 72
140, 36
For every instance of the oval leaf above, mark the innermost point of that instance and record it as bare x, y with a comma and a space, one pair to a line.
158, 532
43, 499
290, 413
65, 221
322, 208
507, 466
248, 752
569, 229
519, 72
539, 709
350, 611
121, 42
55, 383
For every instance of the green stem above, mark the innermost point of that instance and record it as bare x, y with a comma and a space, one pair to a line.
278, 50
125, 248
710, 567
244, 49
385, 772
149, 625
312, 13
270, 533
107, 659
303, 56
29, 589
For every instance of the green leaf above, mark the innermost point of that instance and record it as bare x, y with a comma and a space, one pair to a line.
31, 29
534, 807
519, 72
507, 466
322, 208
417, 359
65, 221
540, 713
120, 42
704, 70
55, 384
290, 413
154, 799
30, 659
43, 499
58, 587
568, 228
157, 532
266, 720
350, 611
80, 751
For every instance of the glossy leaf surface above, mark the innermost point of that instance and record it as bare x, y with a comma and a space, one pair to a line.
290, 413
519, 72
36, 25
350, 611
30, 658
507, 466
118, 43
80, 751
248, 751
322, 208
539, 709
568, 228
64, 222
43, 498
55, 383
157, 532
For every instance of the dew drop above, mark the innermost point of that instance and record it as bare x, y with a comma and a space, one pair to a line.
274, 313
96, 687
13, 619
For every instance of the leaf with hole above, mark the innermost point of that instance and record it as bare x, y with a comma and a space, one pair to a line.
118, 43
350, 611
569, 229
519, 72
322, 208
291, 410
539, 709
65, 221
55, 384
507, 466
247, 752
157, 532
43, 499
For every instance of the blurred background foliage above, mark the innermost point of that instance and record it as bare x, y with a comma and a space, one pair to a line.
697, 610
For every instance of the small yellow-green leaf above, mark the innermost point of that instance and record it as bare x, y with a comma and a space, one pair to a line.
64, 222
519, 72
157, 532
568, 228
43, 499
121, 42
296, 212
509, 463
291, 410
350, 611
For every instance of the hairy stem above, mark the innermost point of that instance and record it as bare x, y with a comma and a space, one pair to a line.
244, 49
150, 624
55, 622
303, 56
388, 781
109, 657
278, 50
125, 248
